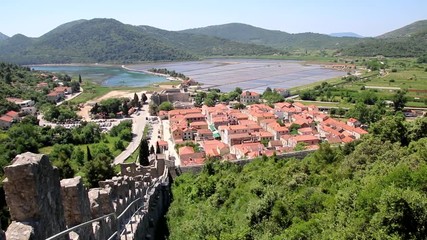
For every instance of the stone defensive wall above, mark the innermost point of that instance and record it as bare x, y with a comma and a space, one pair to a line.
126, 207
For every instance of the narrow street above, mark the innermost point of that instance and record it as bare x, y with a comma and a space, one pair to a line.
138, 125
171, 146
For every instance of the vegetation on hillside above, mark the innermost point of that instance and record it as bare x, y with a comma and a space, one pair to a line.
108, 40
281, 40
374, 188
380, 81
412, 46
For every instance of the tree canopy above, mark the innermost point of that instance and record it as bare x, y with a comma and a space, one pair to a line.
374, 188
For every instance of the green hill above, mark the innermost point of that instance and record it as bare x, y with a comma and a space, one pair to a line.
413, 46
282, 40
408, 41
407, 31
108, 40
202, 45
97, 40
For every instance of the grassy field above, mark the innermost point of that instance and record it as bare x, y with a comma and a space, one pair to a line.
403, 74
108, 140
332, 81
92, 90
326, 104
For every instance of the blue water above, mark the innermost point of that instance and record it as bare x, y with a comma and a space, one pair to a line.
108, 76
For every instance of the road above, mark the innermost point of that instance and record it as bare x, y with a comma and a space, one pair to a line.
171, 146
138, 125
69, 97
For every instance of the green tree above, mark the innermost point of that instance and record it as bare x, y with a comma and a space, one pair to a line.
300, 146
391, 128
209, 102
238, 90
153, 108
99, 169
158, 151
78, 156
88, 154
80, 79
152, 151
119, 145
293, 129
125, 108
135, 100
61, 158
144, 152
143, 98
325, 154
166, 106
399, 100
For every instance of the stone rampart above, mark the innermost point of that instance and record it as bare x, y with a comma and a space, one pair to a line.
41, 205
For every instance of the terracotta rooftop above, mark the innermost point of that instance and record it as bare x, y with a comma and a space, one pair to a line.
6, 118
247, 93
185, 150
12, 114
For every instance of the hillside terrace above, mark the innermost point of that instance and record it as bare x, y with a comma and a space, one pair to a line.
226, 133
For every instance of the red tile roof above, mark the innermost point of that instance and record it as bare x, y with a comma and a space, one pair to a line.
185, 150
5, 118
12, 114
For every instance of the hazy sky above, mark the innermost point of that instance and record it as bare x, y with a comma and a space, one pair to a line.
366, 17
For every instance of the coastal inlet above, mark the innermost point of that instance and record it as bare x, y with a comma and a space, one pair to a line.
111, 76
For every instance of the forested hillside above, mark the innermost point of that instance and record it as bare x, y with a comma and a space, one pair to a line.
372, 189
412, 46
3, 37
202, 45
281, 40
407, 31
108, 40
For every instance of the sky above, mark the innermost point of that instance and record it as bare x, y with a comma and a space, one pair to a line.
34, 18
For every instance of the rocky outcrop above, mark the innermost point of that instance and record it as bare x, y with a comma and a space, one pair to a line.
33, 194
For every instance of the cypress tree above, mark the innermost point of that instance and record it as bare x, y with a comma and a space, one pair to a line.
157, 147
152, 149
88, 154
144, 152
80, 79
143, 98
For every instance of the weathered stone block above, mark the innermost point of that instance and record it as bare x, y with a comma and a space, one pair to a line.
33, 194
19, 231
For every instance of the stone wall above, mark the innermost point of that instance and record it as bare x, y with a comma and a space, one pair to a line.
170, 97
33, 194
42, 206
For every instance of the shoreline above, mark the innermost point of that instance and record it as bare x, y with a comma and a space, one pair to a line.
168, 77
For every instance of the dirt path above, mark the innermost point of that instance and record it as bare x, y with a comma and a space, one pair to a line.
84, 111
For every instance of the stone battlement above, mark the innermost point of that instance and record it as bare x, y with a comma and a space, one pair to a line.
41, 205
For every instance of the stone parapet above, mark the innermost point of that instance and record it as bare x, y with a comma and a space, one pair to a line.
33, 194
42, 206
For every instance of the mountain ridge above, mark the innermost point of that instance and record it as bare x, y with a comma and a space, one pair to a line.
407, 30
345, 34
3, 36
111, 41
274, 38
108, 40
